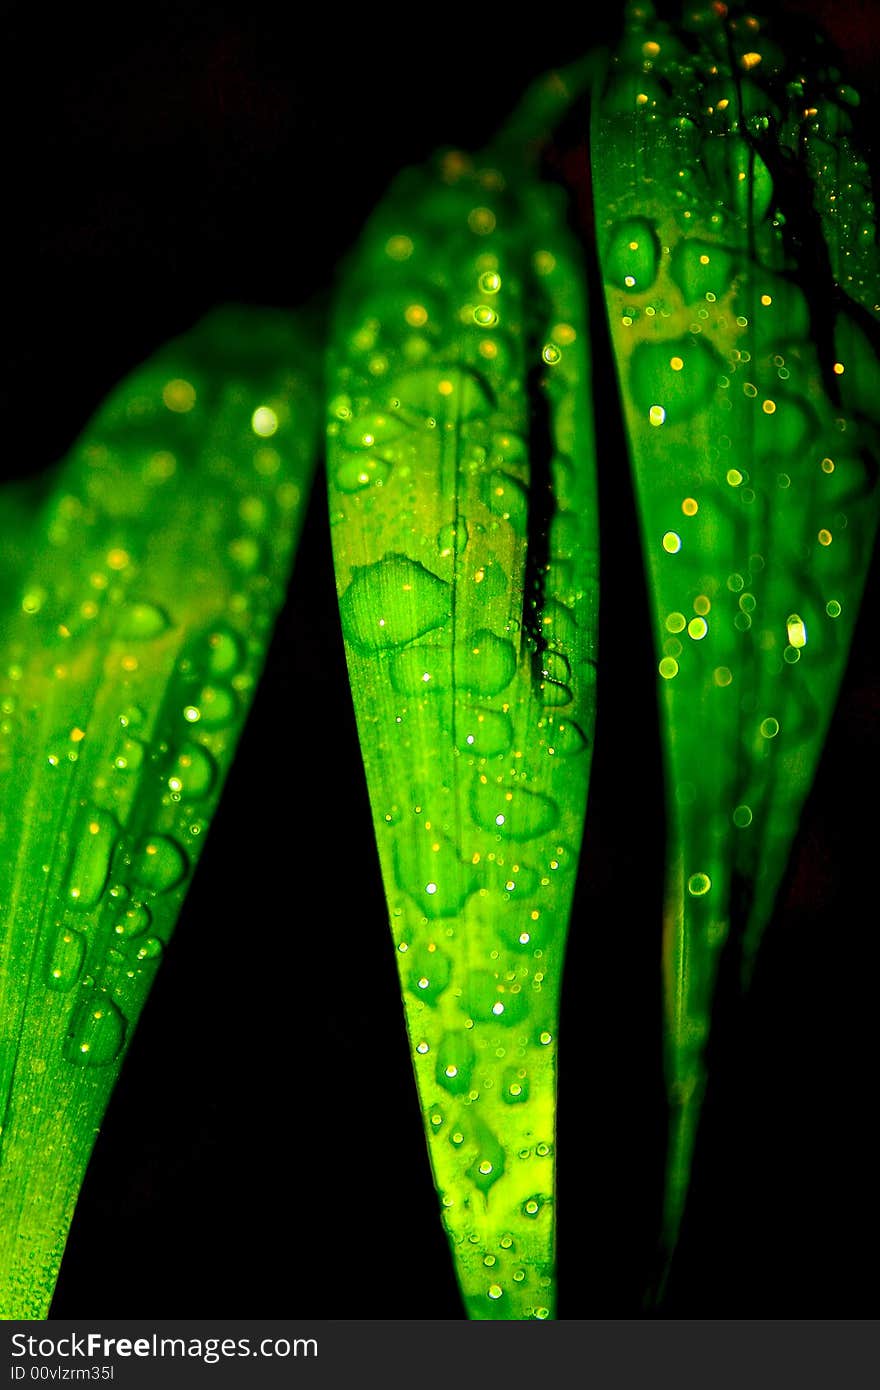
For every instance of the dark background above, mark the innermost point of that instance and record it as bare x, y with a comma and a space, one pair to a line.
263, 1153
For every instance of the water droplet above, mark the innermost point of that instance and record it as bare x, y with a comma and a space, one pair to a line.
485, 664
95, 841
742, 816
159, 864
66, 962
452, 539
632, 255
354, 474
134, 921
513, 812
681, 391
558, 624
129, 755
488, 579
392, 602
533, 1206
783, 431
141, 621
564, 737
514, 1086
700, 268
455, 1062
796, 631
769, 728
193, 771
179, 395
264, 421
488, 999
421, 670
245, 553
97, 1032
226, 652
429, 870
698, 884
149, 949
485, 316
217, 705
507, 497
484, 732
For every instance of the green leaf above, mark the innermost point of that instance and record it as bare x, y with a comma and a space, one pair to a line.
461, 466
128, 664
741, 276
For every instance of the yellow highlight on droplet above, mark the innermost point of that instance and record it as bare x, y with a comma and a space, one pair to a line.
481, 221
179, 395
399, 248
416, 315
671, 543
264, 421
656, 414
690, 506
796, 631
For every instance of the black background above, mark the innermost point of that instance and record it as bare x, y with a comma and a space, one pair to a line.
263, 1153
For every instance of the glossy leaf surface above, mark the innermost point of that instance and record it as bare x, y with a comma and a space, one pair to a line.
130, 652
738, 251
462, 498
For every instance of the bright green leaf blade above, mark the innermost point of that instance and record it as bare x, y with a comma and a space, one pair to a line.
141, 628
740, 266
462, 497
